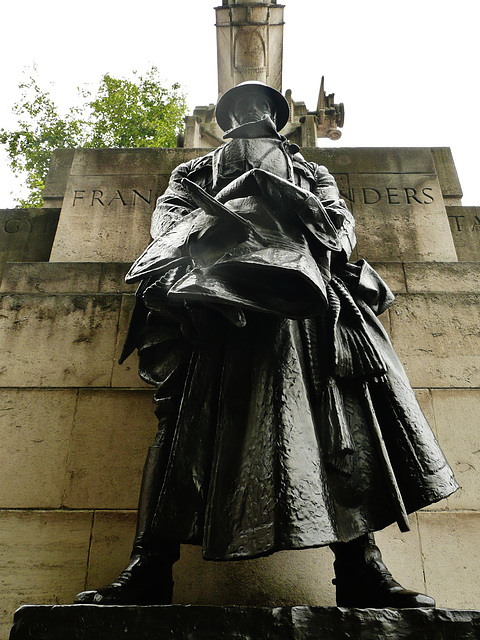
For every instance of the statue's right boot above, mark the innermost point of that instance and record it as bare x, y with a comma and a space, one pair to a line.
363, 581
148, 577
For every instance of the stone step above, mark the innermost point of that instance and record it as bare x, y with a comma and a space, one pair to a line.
94, 622
108, 277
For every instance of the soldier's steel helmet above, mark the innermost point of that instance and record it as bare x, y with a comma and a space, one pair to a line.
227, 101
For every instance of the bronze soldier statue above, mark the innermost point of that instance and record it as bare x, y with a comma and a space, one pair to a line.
286, 420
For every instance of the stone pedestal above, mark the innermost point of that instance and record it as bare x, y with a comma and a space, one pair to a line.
68, 525
95, 622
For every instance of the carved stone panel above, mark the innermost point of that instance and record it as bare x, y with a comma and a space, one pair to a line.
104, 219
465, 226
399, 217
26, 235
395, 195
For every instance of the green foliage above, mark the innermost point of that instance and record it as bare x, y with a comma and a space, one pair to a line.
123, 113
135, 114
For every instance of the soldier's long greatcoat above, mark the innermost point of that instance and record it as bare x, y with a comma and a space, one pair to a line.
280, 370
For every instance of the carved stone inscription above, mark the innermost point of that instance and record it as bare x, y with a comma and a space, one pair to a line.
105, 218
110, 197
389, 195
393, 193
465, 226
399, 216
26, 235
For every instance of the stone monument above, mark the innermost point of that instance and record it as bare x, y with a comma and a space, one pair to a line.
68, 526
315, 439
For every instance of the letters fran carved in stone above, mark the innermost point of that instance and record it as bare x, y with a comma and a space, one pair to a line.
100, 197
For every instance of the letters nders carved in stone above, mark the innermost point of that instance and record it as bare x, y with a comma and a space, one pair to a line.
399, 217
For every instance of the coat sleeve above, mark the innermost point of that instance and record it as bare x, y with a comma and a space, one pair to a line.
176, 203
171, 223
325, 188
169, 229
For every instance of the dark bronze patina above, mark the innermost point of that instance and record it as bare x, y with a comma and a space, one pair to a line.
286, 420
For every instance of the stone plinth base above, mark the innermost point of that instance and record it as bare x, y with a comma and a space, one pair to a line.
179, 622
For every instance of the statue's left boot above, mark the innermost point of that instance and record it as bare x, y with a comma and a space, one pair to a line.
363, 581
148, 577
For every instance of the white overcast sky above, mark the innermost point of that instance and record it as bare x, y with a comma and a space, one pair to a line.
407, 71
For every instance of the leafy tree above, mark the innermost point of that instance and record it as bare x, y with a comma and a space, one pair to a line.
123, 113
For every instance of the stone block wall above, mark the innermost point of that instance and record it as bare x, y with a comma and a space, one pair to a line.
76, 428
76, 425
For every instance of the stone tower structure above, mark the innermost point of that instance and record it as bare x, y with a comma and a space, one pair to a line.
249, 43
250, 47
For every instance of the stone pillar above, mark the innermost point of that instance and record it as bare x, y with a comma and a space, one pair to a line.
308, 131
249, 43
192, 132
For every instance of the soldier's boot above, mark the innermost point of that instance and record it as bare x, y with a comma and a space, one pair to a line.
148, 577
363, 581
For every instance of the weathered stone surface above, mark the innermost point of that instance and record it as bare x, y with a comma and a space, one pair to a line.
110, 547
51, 277
109, 197
400, 217
133, 162
457, 414
108, 277
59, 170
57, 341
390, 160
393, 273
446, 277
424, 397
452, 557
465, 226
102, 222
397, 201
112, 431
36, 431
286, 577
126, 374
112, 279
27, 234
249, 51
289, 577
43, 558
447, 175
66, 277
402, 553
436, 338
281, 623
